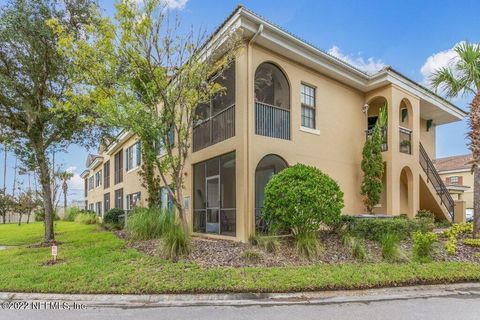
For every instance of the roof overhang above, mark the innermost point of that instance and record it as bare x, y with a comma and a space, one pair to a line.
119, 140
432, 106
84, 174
456, 188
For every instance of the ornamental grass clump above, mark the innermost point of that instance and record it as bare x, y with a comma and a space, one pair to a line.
270, 244
308, 245
148, 223
176, 241
357, 246
391, 251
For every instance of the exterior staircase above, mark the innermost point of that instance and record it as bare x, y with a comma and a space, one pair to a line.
433, 177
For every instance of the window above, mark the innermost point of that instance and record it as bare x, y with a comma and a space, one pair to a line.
106, 202
271, 86
133, 156
133, 200
454, 180
118, 167
165, 200
106, 175
98, 208
119, 199
307, 97
214, 197
98, 179
91, 207
91, 183
161, 149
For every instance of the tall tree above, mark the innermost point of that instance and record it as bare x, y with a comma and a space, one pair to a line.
462, 77
148, 78
372, 163
64, 177
24, 205
36, 112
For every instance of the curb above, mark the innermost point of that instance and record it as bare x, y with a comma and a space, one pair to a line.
249, 299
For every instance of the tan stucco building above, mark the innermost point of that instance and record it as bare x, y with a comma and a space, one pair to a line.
456, 172
288, 102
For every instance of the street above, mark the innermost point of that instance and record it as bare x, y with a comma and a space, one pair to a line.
393, 304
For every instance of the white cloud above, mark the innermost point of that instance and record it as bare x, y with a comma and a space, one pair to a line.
370, 65
170, 4
76, 184
436, 61
176, 4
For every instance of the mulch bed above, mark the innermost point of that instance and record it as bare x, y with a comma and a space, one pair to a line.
215, 253
209, 253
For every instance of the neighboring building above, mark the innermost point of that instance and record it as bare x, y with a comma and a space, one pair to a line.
288, 102
456, 172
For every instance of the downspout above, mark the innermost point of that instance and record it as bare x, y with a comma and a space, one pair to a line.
250, 99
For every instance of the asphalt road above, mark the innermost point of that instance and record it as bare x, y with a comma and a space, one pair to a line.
455, 306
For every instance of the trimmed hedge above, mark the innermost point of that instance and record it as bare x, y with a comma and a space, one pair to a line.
375, 228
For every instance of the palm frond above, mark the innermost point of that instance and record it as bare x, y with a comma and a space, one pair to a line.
469, 64
445, 80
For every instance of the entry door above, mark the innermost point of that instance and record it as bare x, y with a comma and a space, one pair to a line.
213, 204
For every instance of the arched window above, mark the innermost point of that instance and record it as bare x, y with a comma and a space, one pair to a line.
269, 165
271, 86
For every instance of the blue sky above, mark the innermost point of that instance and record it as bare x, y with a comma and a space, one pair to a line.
414, 37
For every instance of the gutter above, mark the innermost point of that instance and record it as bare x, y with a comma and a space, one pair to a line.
250, 99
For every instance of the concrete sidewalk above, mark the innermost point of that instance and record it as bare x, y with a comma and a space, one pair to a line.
471, 290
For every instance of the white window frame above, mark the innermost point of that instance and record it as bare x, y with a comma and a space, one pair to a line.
91, 182
132, 152
98, 178
305, 105
456, 182
133, 200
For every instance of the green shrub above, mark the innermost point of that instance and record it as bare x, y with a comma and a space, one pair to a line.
343, 223
176, 242
391, 250
39, 216
148, 223
86, 218
308, 245
374, 228
268, 243
472, 242
300, 198
251, 256
114, 217
71, 213
423, 245
425, 214
453, 232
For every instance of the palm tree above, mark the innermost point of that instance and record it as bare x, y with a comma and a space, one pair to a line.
462, 77
64, 176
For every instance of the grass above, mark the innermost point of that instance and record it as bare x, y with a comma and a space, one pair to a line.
98, 262
391, 250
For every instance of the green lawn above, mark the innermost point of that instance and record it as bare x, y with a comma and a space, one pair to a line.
98, 262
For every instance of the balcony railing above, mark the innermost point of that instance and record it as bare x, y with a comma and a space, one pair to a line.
217, 128
405, 140
272, 121
384, 132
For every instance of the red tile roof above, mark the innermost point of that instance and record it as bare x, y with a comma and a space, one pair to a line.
453, 163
